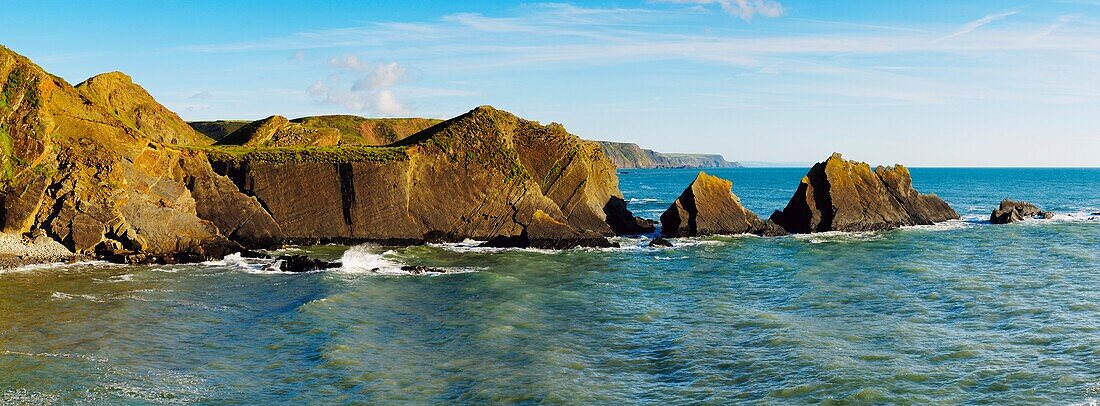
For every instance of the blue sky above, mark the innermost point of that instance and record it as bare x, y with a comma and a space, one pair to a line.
929, 83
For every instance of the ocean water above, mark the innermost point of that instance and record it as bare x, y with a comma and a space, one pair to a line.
958, 313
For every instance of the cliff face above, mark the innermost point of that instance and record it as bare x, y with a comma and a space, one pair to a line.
105, 170
482, 175
842, 195
87, 165
628, 155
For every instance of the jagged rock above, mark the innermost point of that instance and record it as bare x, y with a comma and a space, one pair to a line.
708, 207
1013, 211
842, 195
660, 242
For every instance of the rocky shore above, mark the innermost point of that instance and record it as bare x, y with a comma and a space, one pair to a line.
102, 170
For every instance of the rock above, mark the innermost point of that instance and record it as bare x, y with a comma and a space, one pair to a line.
1095, 214
420, 269
300, 263
842, 195
660, 242
708, 207
1013, 211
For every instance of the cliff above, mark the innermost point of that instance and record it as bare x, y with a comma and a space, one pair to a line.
105, 170
87, 165
843, 195
628, 155
482, 175
216, 130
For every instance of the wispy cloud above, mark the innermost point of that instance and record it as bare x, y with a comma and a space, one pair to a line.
744, 9
1061, 22
973, 25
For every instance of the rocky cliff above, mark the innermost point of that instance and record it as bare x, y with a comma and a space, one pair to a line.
628, 155
355, 130
105, 170
88, 166
482, 175
842, 195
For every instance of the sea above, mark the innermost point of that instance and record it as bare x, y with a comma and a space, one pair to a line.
962, 312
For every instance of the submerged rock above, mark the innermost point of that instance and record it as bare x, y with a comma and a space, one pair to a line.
300, 263
709, 207
1013, 211
842, 195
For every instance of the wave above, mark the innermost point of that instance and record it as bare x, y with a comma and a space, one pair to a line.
363, 259
642, 200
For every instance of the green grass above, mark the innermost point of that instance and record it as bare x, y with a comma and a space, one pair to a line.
6, 155
338, 154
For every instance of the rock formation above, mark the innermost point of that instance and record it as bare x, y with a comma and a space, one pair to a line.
483, 175
1012, 211
104, 169
709, 207
88, 165
842, 195
629, 155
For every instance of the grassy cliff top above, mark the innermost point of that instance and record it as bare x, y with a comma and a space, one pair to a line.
336, 154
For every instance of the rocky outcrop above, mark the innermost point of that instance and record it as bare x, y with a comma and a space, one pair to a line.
1013, 211
709, 207
88, 165
483, 175
628, 155
842, 195
277, 131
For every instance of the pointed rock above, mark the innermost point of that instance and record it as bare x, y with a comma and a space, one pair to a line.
708, 207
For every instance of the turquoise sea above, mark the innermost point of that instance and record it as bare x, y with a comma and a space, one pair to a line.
957, 313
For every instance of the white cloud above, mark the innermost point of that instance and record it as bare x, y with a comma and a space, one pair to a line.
371, 90
745, 9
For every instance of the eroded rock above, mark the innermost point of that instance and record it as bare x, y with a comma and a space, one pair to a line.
709, 207
1012, 211
842, 195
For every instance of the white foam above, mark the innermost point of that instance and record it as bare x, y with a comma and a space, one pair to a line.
363, 259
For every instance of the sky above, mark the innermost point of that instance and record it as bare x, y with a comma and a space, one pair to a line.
928, 83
